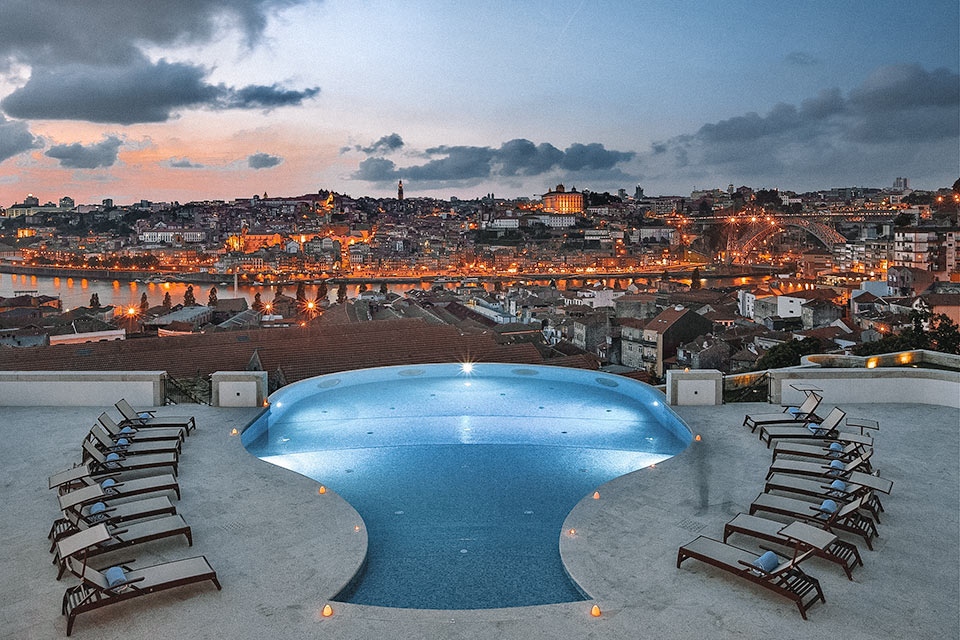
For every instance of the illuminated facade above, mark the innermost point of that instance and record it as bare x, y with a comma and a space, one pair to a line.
562, 201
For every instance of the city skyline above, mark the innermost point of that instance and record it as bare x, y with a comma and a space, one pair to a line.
288, 97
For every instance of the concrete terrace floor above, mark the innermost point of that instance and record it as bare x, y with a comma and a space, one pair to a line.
281, 550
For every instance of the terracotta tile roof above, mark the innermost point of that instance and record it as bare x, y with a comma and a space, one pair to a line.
300, 352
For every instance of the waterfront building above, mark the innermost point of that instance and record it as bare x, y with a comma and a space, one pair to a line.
562, 201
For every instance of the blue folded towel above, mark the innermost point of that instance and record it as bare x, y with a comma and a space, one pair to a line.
836, 446
143, 414
768, 561
794, 410
97, 507
109, 482
115, 576
828, 507
122, 442
113, 457
835, 468
128, 430
839, 485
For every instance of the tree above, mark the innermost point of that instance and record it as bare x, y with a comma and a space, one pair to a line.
167, 302
902, 220
257, 303
188, 298
788, 354
144, 303
945, 334
95, 301
342, 293
363, 287
301, 293
383, 288
695, 278
322, 290
212, 297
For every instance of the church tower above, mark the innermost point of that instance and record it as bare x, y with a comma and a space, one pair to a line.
400, 191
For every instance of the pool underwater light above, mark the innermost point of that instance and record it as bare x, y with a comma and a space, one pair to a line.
466, 367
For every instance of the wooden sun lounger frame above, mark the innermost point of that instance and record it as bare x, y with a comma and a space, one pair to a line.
801, 417
782, 482
93, 593
132, 418
98, 460
845, 518
107, 443
790, 582
839, 551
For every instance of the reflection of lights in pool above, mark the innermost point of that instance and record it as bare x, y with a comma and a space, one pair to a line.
656, 404
467, 384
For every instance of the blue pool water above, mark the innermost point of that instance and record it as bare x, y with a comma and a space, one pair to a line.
464, 480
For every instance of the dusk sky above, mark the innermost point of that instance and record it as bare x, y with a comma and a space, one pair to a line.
194, 99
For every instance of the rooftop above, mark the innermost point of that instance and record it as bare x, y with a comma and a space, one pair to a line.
281, 550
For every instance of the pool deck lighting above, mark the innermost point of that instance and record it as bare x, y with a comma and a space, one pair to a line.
322, 490
595, 611
327, 611
596, 495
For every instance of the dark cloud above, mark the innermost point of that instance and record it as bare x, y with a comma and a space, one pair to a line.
15, 138
385, 144
902, 120
112, 32
801, 59
143, 91
184, 163
87, 156
517, 157
261, 160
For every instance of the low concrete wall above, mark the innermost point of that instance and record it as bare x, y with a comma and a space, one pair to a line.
897, 358
876, 385
697, 387
238, 388
81, 388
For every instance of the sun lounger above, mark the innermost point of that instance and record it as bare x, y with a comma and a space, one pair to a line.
839, 551
800, 415
833, 470
826, 515
783, 577
114, 485
140, 435
90, 506
829, 428
148, 419
105, 442
129, 534
117, 461
120, 582
822, 451
837, 490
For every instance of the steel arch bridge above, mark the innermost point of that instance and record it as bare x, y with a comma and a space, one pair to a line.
827, 235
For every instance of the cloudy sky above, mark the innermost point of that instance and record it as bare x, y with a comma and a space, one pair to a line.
191, 99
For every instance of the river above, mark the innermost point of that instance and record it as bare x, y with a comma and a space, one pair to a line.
76, 292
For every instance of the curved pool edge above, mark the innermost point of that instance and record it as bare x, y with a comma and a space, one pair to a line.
335, 508
579, 580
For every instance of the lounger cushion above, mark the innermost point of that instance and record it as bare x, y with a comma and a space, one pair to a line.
828, 507
128, 430
115, 576
768, 561
113, 457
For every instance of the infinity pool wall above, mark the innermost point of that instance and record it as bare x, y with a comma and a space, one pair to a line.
463, 480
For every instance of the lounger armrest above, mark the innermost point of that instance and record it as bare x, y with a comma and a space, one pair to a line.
124, 564
124, 585
750, 567
118, 532
150, 412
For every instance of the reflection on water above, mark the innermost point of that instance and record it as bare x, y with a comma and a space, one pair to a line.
76, 292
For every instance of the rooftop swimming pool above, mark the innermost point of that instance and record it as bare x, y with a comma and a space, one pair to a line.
463, 474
